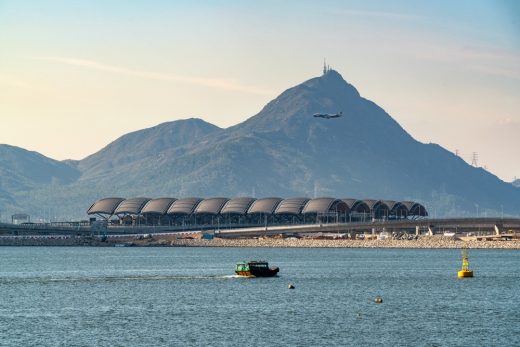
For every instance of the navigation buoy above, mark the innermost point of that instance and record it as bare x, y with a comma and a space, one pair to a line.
290, 286
378, 300
465, 272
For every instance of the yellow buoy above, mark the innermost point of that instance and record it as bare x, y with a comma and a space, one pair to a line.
465, 271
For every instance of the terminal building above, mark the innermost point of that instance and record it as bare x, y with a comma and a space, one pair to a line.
246, 211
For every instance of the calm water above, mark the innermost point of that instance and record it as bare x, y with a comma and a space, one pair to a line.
188, 296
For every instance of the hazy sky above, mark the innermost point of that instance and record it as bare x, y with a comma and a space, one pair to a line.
75, 75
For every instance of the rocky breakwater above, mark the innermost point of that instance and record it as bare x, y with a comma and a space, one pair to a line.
195, 240
421, 242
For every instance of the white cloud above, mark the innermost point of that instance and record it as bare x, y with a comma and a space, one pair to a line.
206, 82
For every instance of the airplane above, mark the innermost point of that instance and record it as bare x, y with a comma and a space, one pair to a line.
328, 115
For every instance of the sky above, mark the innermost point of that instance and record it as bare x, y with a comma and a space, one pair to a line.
76, 75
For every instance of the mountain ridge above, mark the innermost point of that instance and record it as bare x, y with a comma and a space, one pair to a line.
284, 150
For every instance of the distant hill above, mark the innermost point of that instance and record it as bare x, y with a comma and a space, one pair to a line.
25, 171
146, 143
283, 151
23, 168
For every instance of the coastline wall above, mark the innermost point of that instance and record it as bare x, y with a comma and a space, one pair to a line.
174, 241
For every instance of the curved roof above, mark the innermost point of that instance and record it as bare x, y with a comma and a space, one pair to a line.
237, 205
264, 205
376, 205
356, 205
131, 206
324, 205
211, 206
396, 207
158, 206
391, 204
105, 206
350, 202
371, 203
415, 208
291, 206
184, 206
243, 205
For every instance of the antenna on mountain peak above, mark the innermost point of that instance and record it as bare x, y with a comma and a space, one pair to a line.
474, 160
324, 66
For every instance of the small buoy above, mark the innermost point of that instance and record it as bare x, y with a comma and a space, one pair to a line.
465, 271
290, 286
378, 300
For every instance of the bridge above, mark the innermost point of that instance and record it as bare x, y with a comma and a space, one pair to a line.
430, 226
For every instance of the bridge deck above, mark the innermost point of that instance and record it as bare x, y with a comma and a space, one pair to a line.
482, 225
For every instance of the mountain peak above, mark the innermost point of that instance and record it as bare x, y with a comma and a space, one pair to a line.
330, 73
332, 81
328, 93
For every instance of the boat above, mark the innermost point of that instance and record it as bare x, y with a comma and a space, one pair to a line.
254, 268
465, 271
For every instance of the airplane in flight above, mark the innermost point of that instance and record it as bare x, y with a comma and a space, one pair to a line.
328, 115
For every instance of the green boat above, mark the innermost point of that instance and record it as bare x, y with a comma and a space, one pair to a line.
255, 268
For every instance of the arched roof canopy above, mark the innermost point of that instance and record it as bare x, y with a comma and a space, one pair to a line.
131, 206
292, 206
378, 207
264, 205
325, 205
415, 209
399, 209
371, 203
158, 206
356, 205
350, 202
211, 206
391, 204
184, 206
237, 206
420, 211
105, 206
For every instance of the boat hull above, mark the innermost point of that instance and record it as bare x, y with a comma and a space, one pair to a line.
244, 273
270, 272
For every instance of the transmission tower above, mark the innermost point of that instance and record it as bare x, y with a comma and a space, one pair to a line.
324, 66
474, 160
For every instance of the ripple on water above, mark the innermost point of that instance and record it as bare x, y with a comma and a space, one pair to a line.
190, 296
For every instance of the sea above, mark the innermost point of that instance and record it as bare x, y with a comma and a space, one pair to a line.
125, 296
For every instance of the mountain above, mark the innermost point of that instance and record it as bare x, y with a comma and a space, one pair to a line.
24, 171
284, 151
132, 147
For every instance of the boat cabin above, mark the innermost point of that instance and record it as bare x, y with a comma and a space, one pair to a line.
250, 265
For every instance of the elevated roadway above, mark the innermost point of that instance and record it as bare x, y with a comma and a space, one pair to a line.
432, 226
459, 225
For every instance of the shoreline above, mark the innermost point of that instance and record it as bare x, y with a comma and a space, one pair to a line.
423, 242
